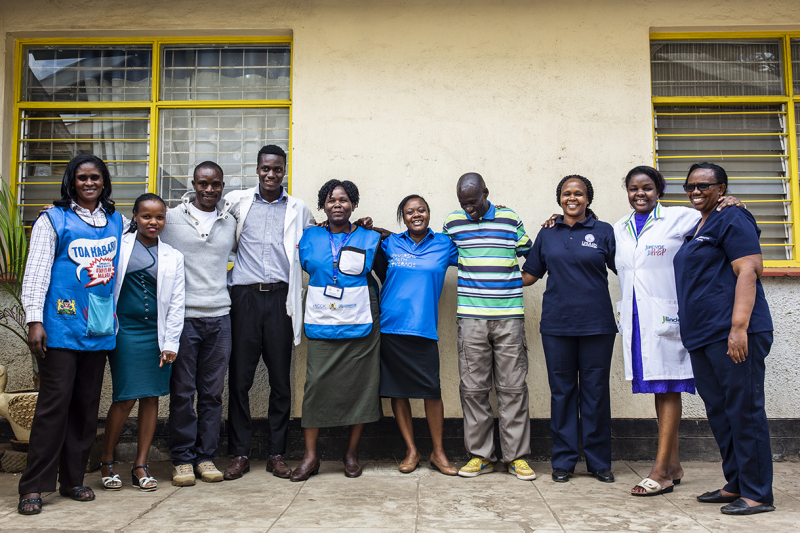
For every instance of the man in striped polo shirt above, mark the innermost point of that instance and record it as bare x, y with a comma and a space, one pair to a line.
491, 328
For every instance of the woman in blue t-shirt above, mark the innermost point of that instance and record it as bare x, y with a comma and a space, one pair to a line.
726, 325
412, 267
578, 328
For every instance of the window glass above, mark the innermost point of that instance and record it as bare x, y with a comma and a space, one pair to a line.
796, 66
749, 142
229, 137
50, 139
716, 68
87, 74
226, 72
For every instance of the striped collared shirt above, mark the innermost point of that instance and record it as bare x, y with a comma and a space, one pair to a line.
489, 279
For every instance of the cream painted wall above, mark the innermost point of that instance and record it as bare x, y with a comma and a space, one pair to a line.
406, 97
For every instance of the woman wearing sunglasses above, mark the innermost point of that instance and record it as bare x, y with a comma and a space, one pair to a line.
726, 326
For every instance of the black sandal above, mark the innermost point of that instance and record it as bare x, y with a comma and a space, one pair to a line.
76, 493
37, 501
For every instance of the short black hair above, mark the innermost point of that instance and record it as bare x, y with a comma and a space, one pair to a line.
146, 197
650, 172
589, 192
271, 149
349, 188
719, 173
208, 164
68, 194
403, 203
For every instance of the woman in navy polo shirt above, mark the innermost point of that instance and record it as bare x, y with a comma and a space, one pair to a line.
726, 326
578, 328
412, 268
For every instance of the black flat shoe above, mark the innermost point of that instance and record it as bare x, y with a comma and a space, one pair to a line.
560, 475
30, 505
740, 507
716, 496
604, 475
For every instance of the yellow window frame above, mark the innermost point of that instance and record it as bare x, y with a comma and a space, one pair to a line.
154, 105
788, 99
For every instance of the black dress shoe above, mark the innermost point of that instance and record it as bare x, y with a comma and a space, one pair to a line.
604, 475
560, 475
741, 507
716, 496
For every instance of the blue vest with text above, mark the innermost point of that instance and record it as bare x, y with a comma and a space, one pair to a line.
348, 316
79, 312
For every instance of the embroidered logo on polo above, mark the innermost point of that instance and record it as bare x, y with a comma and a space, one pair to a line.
588, 241
96, 256
402, 260
66, 307
655, 250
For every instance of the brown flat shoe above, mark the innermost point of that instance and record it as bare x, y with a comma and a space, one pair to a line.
446, 470
239, 467
351, 468
407, 468
302, 474
278, 468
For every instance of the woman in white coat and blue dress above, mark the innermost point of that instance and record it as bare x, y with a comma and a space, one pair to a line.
150, 309
656, 361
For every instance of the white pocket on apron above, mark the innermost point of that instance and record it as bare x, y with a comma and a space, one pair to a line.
352, 261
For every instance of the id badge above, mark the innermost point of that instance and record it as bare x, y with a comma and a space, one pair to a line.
332, 291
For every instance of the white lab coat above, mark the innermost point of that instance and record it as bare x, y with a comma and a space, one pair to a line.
170, 289
645, 264
298, 218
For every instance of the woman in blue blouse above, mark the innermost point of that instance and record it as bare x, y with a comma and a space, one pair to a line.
578, 328
726, 325
413, 267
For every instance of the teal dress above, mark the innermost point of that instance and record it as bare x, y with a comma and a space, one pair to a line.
134, 362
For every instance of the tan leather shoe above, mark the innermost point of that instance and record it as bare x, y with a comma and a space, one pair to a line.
407, 468
239, 467
446, 470
278, 468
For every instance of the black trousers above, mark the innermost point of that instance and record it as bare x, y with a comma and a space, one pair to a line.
260, 329
65, 423
205, 349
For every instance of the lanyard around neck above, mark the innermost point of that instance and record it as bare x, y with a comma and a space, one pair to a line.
335, 251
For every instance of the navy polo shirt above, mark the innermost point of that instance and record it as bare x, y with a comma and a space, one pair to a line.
414, 280
706, 282
576, 301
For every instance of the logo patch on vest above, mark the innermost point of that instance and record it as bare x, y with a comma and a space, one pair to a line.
96, 256
66, 307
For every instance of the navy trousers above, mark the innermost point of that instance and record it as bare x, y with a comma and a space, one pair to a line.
578, 370
205, 349
734, 398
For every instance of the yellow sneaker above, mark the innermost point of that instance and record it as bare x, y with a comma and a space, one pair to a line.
475, 467
521, 469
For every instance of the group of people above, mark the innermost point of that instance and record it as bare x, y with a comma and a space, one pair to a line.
153, 295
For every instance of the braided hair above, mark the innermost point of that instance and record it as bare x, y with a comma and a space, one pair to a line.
589, 192
326, 190
146, 197
407, 199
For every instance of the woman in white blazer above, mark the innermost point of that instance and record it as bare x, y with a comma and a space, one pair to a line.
655, 360
150, 308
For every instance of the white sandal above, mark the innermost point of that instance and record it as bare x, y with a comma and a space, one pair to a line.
112, 481
146, 483
651, 488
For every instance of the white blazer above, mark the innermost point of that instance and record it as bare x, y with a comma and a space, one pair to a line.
645, 264
298, 218
171, 294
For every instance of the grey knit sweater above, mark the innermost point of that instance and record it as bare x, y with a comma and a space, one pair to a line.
205, 257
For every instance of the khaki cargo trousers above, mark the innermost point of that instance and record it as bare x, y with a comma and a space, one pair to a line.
496, 348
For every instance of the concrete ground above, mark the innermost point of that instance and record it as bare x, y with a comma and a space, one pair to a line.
385, 500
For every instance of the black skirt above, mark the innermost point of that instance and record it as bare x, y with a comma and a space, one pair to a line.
409, 367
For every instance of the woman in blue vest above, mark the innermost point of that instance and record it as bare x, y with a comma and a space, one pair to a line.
69, 302
412, 266
578, 328
726, 325
342, 323
150, 298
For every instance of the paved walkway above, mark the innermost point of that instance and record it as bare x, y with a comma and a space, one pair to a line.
385, 500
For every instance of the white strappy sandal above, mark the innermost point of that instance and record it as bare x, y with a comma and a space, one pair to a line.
112, 481
146, 483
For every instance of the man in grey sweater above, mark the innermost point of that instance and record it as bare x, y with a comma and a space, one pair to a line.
203, 229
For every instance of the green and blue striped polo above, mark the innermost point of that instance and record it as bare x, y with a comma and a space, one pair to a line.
489, 279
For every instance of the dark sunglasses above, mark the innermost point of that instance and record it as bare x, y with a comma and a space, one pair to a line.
690, 187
